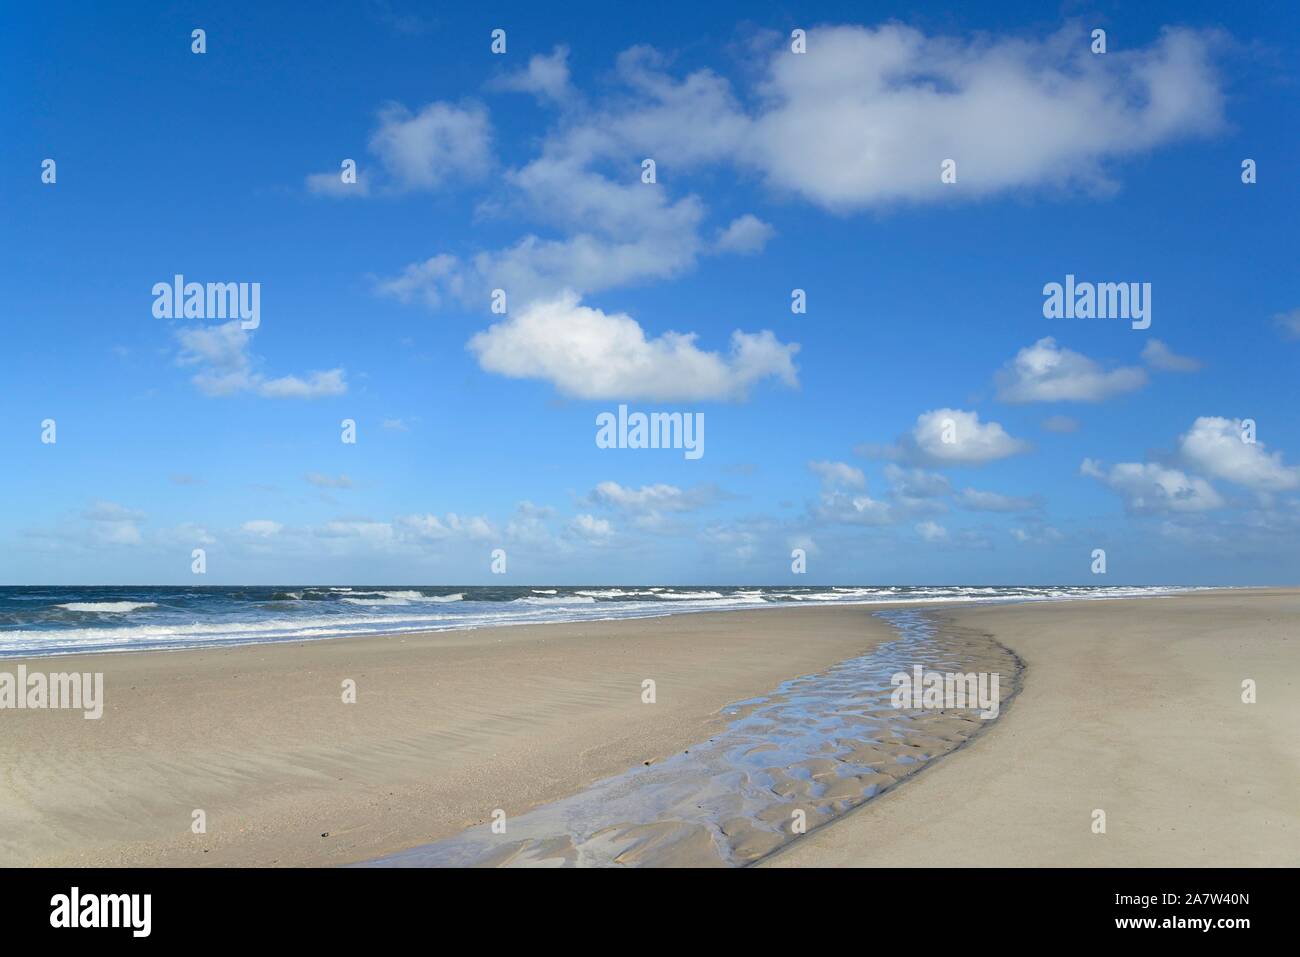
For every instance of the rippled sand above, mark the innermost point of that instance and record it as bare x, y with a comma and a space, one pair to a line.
786, 763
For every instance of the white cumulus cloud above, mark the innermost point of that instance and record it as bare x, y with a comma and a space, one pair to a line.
1149, 487
226, 367
423, 150
867, 114
589, 354
546, 76
1215, 447
958, 437
745, 234
1046, 372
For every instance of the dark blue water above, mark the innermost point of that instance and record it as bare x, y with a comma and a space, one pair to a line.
41, 620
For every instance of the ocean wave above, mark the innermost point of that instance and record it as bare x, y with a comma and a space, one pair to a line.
613, 593
558, 600
107, 607
734, 600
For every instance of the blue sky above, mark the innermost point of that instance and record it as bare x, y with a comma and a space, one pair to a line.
774, 171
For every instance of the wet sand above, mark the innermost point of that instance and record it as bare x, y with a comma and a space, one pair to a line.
786, 762
447, 727
1130, 707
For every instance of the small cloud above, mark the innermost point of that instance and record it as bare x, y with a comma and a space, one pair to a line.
1159, 356
101, 511
653, 498
836, 505
113, 524
957, 437
746, 234
545, 77
226, 367
591, 529
1149, 487
331, 184
394, 425
1288, 323
1045, 372
430, 527
426, 149
1037, 535
915, 485
317, 385
932, 531
262, 528
838, 474
425, 281
185, 480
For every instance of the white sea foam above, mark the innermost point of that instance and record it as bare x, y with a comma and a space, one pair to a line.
559, 600
108, 607
614, 593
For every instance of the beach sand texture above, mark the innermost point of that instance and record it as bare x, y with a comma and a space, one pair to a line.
1131, 707
446, 728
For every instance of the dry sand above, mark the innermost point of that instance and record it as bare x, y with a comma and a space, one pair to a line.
1132, 707
446, 728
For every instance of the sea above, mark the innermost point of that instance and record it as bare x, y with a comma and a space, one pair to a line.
49, 620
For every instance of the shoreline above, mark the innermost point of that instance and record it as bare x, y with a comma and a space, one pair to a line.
105, 629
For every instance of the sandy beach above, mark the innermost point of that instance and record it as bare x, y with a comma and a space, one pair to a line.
446, 728
1129, 706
